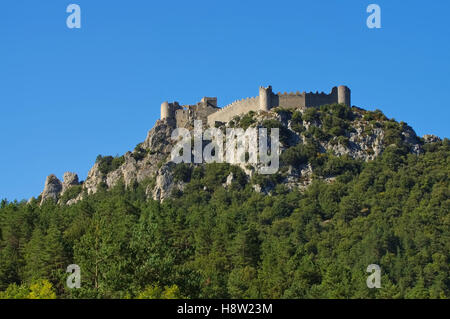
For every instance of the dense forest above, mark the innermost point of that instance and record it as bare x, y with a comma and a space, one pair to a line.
211, 241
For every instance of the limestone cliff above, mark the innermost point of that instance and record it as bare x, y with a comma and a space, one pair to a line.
364, 137
143, 163
54, 188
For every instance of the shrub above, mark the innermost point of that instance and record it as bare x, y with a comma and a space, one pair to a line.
319, 133
156, 292
393, 134
218, 124
284, 132
71, 193
215, 174
340, 111
39, 289
343, 140
267, 181
335, 165
182, 172
15, 292
247, 120
294, 156
108, 164
283, 112
311, 114
376, 115
297, 122
139, 152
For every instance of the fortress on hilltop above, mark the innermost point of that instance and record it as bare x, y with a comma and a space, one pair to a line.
208, 111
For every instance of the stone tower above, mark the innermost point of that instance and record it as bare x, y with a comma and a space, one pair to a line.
344, 95
265, 97
165, 111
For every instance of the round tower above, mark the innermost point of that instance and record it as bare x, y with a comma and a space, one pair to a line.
344, 95
165, 110
265, 95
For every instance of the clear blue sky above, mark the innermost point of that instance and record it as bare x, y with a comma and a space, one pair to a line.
68, 95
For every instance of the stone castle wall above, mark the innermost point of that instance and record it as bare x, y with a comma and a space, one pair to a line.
184, 115
318, 99
289, 100
227, 113
207, 110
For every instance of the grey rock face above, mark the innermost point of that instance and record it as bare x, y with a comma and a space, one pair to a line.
135, 168
139, 165
230, 179
365, 147
52, 189
164, 183
75, 200
93, 180
69, 179
257, 188
159, 138
410, 136
430, 138
151, 160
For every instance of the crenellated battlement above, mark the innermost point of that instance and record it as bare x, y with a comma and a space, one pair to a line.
248, 100
237, 107
291, 94
207, 108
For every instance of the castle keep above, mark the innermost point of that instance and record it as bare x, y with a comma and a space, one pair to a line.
207, 110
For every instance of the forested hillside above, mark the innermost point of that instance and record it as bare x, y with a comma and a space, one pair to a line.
222, 238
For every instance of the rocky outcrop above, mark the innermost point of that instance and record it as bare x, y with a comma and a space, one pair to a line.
69, 180
229, 181
93, 180
159, 138
52, 189
139, 165
164, 184
429, 138
367, 143
151, 159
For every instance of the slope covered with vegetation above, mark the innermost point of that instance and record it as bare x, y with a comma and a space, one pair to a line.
213, 240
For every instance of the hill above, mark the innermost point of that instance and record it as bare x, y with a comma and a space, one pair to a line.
354, 188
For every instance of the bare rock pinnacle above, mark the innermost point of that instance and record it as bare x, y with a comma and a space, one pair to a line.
52, 188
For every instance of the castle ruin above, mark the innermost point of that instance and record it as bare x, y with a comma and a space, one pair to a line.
208, 111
